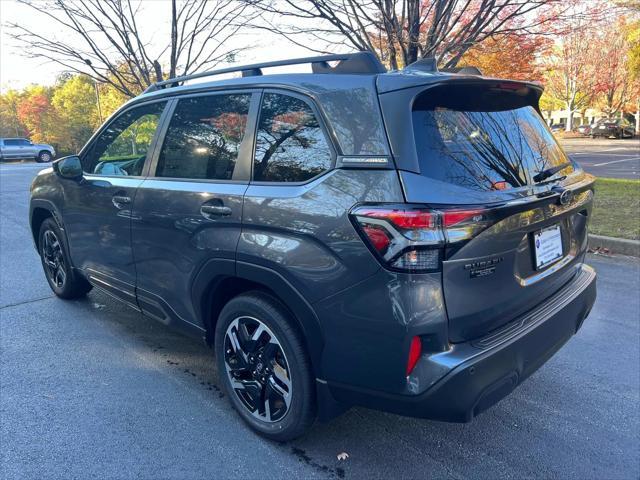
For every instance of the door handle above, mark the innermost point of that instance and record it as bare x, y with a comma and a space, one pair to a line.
215, 210
119, 201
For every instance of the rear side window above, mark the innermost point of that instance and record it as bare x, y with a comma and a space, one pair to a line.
12, 143
204, 137
290, 144
489, 143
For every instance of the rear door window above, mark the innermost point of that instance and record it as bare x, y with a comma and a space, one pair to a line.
483, 147
204, 137
290, 143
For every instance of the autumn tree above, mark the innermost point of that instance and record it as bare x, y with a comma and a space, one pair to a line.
105, 40
570, 72
35, 112
613, 82
75, 105
509, 56
10, 124
632, 34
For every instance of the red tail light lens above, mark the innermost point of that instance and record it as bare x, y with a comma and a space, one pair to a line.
414, 354
378, 238
413, 239
403, 218
454, 217
465, 224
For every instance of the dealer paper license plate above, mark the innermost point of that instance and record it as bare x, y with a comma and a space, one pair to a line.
548, 246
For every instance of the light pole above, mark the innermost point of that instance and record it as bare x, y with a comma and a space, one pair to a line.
95, 84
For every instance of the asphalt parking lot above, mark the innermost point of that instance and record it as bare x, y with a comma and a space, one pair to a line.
90, 388
605, 157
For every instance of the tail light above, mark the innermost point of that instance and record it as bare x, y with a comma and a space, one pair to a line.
413, 239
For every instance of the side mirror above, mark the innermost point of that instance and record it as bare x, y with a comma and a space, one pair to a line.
68, 167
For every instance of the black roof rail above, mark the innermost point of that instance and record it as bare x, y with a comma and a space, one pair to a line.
359, 62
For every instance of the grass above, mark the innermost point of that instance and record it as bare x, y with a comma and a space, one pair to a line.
616, 212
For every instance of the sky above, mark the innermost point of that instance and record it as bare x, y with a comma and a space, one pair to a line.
17, 70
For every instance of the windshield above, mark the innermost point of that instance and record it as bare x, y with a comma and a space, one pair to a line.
486, 150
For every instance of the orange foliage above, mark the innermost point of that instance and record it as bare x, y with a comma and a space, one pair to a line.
33, 112
508, 56
230, 124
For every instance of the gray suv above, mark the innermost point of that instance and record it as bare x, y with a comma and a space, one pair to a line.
411, 241
16, 148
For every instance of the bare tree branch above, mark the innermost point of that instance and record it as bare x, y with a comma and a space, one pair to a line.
103, 39
401, 31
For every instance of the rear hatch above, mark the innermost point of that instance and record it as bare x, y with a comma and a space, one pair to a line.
519, 207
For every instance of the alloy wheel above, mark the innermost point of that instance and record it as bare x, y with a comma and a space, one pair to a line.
257, 369
53, 259
45, 157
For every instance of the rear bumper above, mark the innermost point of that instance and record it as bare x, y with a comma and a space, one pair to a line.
482, 372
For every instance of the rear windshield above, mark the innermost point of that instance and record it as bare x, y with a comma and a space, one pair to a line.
495, 145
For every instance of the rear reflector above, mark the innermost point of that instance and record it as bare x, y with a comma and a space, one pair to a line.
414, 354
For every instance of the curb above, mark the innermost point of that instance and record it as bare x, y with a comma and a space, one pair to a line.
620, 246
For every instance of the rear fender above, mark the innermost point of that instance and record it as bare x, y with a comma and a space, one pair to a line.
217, 270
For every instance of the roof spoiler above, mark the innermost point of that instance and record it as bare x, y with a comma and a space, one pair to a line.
348, 63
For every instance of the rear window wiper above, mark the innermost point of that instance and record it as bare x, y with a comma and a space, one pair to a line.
546, 182
548, 172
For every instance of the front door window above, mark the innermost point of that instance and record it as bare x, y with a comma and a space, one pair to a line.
122, 147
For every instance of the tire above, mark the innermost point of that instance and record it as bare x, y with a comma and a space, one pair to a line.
44, 157
276, 367
62, 279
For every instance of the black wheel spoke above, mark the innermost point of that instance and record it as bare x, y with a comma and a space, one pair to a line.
243, 335
240, 356
269, 352
256, 340
278, 396
60, 276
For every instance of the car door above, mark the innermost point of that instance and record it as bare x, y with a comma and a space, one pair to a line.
188, 212
11, 148
97, 208
28, 148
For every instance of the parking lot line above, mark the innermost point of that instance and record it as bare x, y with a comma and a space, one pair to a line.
615, 161
606, 154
